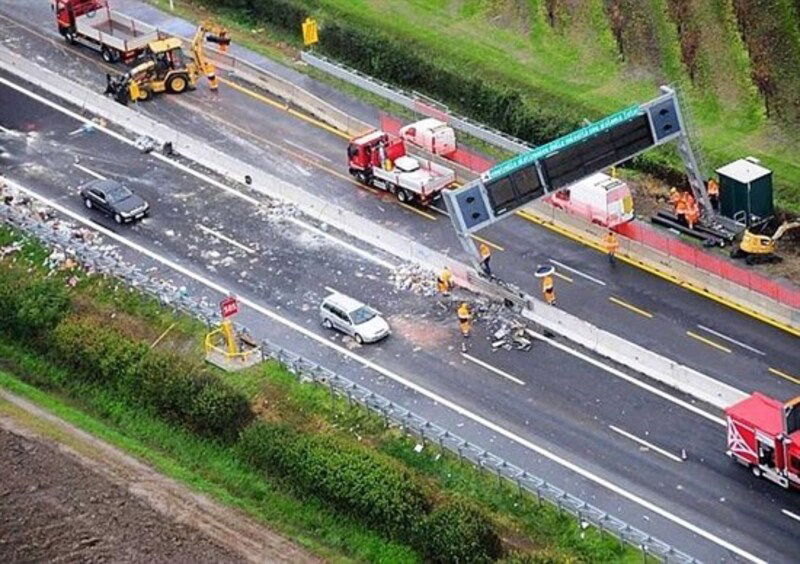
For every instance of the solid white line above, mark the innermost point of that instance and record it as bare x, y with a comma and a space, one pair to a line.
352, 248
603, 482
6, 130
196, 174
332, 290
89, 171
219, 235
309, 151
642, 442
497, 371
791, 515
630, 379
440, 210
731, 340
578, 272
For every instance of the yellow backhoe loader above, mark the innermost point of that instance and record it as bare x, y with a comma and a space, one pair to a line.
757, 248
165, 68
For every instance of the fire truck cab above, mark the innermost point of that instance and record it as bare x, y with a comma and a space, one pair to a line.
764, 435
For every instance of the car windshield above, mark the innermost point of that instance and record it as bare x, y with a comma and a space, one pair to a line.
362, 315
117, 193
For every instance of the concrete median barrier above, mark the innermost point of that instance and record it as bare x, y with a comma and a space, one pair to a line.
405, 248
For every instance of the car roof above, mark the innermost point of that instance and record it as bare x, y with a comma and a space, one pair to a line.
344, 302
104, 184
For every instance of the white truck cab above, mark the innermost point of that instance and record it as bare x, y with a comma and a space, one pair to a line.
599, 198
431, 134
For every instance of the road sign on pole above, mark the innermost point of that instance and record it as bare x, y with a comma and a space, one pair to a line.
229, 307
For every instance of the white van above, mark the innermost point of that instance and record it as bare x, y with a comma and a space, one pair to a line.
599, 198
432, 135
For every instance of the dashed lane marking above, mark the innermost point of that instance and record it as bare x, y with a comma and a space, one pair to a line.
644, 443
89, 171
791, 515
784, 375
631, 307
491, 368
708, 342
563, 276
492, 426
731, 340
225, 238
578, 272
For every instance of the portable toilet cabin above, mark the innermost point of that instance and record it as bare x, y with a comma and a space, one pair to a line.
745, 191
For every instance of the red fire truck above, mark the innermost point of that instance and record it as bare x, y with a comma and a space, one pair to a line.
94, 24
764, 435
380, 160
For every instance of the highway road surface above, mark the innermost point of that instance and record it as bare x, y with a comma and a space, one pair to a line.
636, 305
597, 431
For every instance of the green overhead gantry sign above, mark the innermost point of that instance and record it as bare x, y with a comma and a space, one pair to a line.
617, 138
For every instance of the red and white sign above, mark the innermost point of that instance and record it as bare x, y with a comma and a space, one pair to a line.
229, 306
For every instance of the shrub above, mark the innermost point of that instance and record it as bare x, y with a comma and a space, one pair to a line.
363, 483
217, 410
97, 353
458, 531
31, 309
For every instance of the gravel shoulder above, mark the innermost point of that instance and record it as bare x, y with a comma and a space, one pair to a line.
68, 496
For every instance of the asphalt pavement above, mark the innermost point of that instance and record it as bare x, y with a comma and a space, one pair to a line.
575, 410
642, 308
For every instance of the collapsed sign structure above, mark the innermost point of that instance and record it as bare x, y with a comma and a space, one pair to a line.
612, 140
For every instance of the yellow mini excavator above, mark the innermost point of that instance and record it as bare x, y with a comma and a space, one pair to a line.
165, 68
757, 248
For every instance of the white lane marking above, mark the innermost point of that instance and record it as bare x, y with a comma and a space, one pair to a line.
630, 379
225, 238
6, 130
578, 272
791, 515
89, 171
350, 247
491, 368
196, 174
731, 340
603, 482
309, 151
332, 290
644, 443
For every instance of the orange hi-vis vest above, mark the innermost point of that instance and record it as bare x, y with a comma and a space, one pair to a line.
464, 314
713, 187
485, 251
547, 284
611, 242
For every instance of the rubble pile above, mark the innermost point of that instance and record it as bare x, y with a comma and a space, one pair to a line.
74, 247
414, 278
510, 335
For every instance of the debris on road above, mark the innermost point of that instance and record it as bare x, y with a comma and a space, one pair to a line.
414, 278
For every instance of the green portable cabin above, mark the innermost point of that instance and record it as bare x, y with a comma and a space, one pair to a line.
745, 190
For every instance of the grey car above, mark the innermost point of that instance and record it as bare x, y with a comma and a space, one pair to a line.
353, 318
114, 199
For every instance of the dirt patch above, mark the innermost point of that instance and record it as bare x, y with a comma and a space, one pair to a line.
423, 333
91, 502
510, 14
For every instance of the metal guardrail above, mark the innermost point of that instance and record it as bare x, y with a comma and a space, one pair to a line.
416, 102
94, 257
427, 430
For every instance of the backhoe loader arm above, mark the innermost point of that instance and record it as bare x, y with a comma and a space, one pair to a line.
213, 33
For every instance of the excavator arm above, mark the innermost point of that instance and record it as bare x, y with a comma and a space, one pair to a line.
213, 33
785, 226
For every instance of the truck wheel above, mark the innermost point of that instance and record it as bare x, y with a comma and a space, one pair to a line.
403, 195
361, 177
110, 55
177, 84
88, 203
756, 471
69, 37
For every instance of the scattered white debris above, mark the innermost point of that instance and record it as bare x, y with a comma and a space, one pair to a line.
414, 278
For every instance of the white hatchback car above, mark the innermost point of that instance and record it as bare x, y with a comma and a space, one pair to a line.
353, 318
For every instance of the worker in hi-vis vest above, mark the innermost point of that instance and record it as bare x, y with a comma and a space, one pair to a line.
549, 290
464, 322
444, 282
486, 255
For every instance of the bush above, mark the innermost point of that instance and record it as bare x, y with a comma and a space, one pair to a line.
458, 531
160, 381
98, 354
31, 309
360, 482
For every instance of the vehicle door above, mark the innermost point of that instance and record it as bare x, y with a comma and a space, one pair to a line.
341, 321
99, 199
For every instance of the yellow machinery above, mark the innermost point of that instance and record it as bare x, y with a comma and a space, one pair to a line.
756, 248
166, 68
